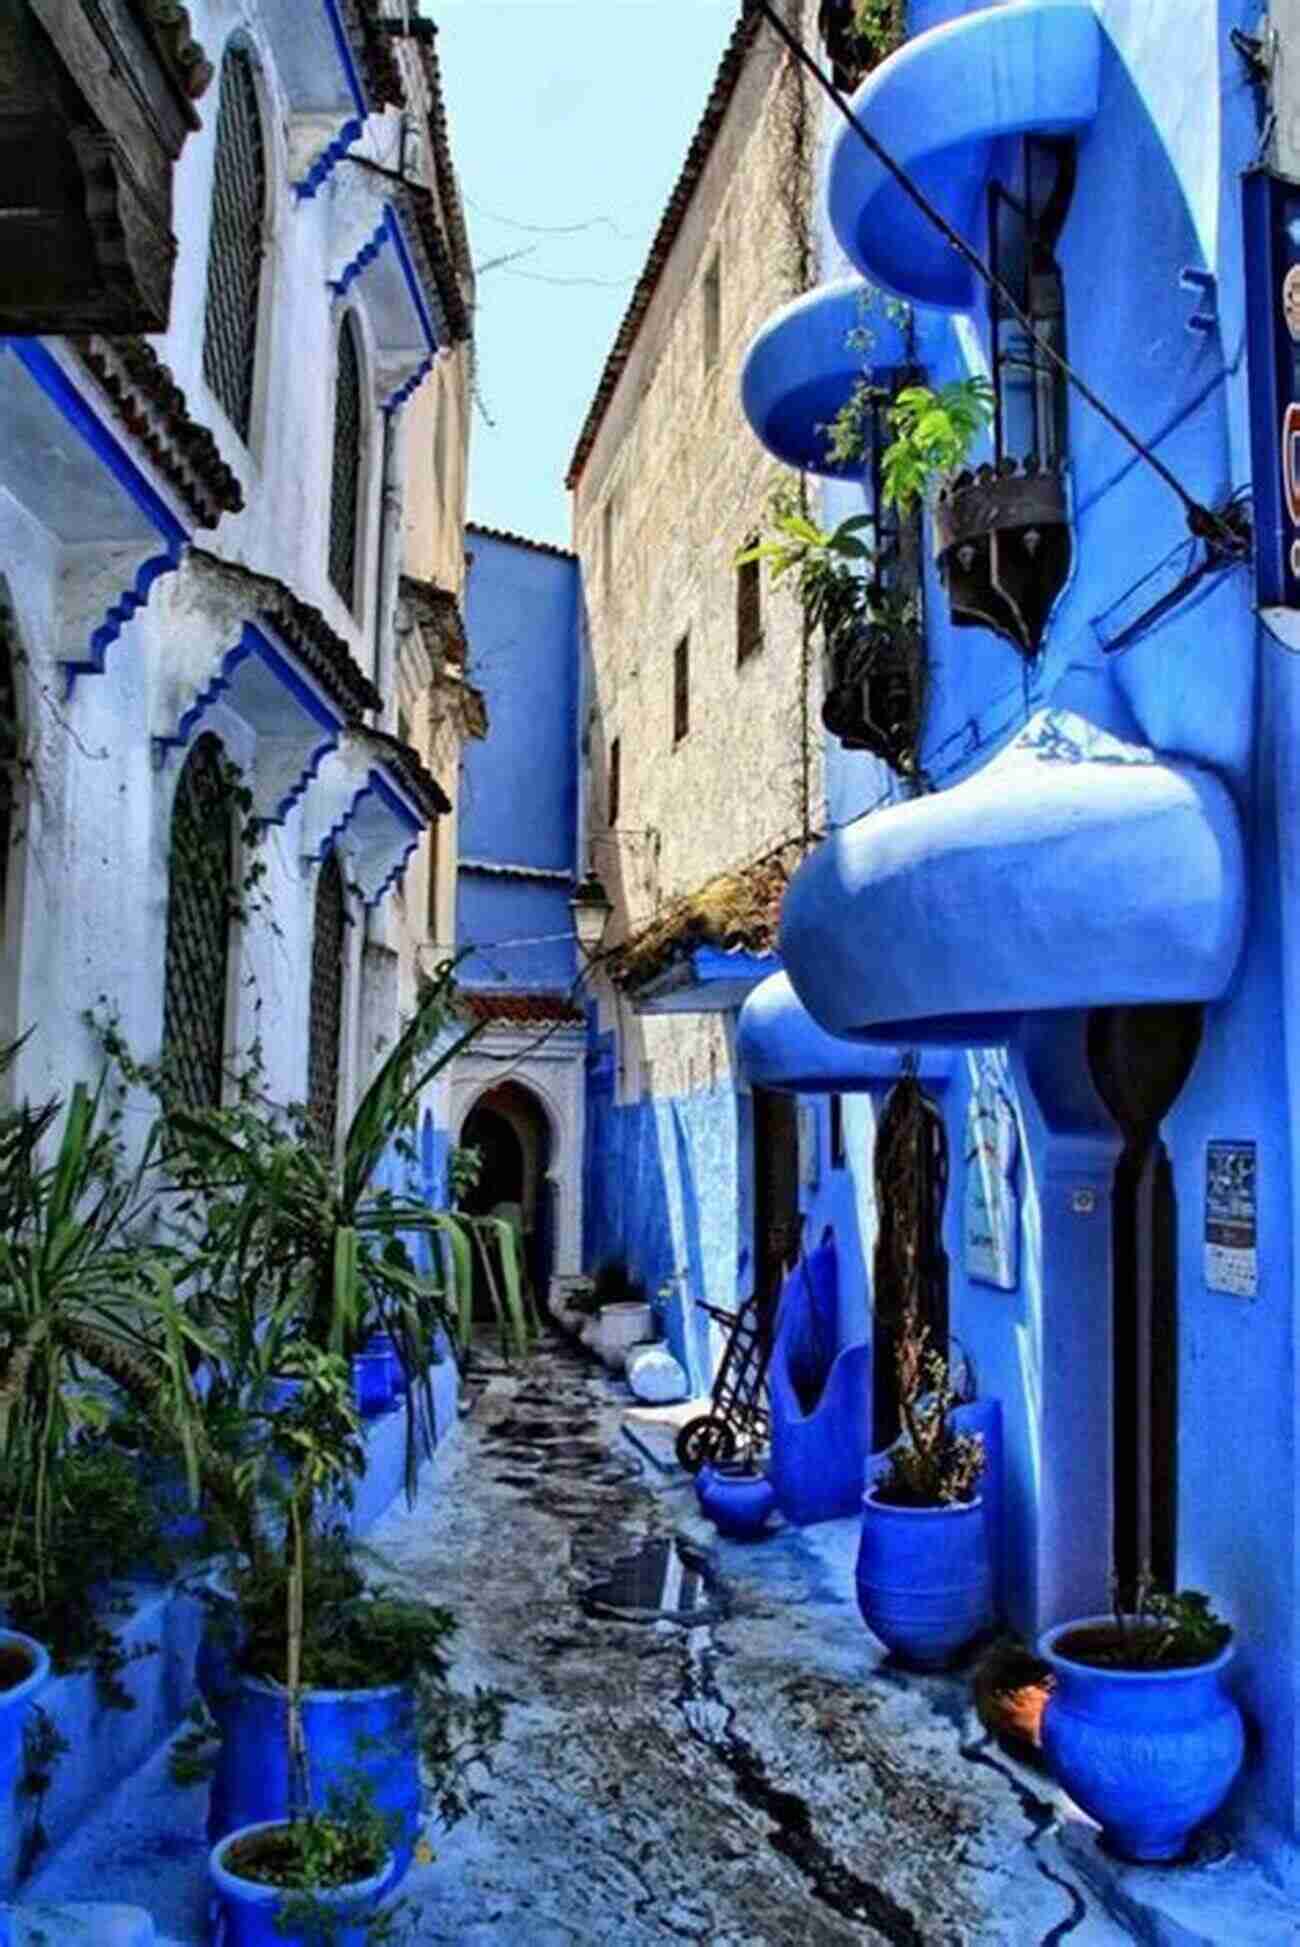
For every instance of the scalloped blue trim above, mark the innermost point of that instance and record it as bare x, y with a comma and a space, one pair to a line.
55, 383
369, 250
378, 786
119, 613
394, 405
340, 825
324, 165
389, 232
394, 875
254, 643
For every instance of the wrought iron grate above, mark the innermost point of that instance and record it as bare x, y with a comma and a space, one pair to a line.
200, 893
235, 249
347, 467
326, 1024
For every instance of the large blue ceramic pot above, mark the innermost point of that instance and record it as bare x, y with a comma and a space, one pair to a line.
925, 1581
372, 1383
1150, 1754
385, 1342
24, 1670
373, 1732
251, 1914
736, 1500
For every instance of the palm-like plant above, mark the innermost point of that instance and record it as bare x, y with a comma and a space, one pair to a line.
311, 1243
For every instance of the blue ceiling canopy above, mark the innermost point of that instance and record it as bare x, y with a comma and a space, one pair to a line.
943, 106
1078, 869
779, 1046
801, 368
398, 294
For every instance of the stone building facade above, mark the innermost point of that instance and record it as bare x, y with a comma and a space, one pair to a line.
701, 735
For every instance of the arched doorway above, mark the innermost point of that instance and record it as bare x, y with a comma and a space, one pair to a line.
511, 1129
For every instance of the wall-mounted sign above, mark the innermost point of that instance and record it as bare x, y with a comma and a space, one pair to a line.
991, 1207
1272, 243
1231, 1241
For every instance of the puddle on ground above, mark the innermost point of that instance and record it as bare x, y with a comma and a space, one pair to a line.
665, 1579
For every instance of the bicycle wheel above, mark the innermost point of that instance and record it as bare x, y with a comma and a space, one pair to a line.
704, 1438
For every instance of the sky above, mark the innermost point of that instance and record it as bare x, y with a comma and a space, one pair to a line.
569, 121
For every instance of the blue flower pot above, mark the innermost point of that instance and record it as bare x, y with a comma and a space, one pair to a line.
372, 1732
385, 1342
925, 1581
736, 1500
1150, 1754
250, 1914
372, 1383
14, 1703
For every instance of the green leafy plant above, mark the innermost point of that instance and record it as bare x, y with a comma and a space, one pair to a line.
931, 1465
933, 434
880, 25
43, 1745
464, 1168
1162, 1631
823, 564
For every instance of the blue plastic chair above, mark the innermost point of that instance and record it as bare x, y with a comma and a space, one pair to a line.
820, 1398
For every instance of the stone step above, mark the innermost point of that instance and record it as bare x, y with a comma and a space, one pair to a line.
78, 1923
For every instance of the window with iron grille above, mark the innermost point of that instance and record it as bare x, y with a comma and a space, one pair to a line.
200, 894
235, 248
326, 1024
1026, 215
712, 302
614, 799
346, 485
749, 608
681, 689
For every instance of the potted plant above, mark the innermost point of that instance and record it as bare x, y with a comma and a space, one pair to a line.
282, 1227
924, 1573
319, 1877
874, 653
1139, 1728
736, 1496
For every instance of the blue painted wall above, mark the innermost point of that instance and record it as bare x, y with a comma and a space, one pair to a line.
1158, 192
518, 791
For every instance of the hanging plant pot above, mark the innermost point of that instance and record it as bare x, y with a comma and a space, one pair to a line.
875, 693
1150, 1753
1002, 541
925, 1580
255, 1914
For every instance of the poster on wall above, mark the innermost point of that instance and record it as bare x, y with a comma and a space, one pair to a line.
1231, 1240
991, 1205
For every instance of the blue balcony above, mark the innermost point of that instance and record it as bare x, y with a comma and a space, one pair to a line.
801, 369
780, 1046
1078, 869
943, 107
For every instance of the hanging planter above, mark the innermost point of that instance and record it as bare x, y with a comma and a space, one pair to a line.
1002, 541
875, 685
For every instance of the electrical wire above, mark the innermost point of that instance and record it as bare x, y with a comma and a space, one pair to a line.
1204, 523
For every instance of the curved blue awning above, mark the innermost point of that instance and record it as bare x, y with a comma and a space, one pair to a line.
1076, 870
780, 1046
800, 369
941, 106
